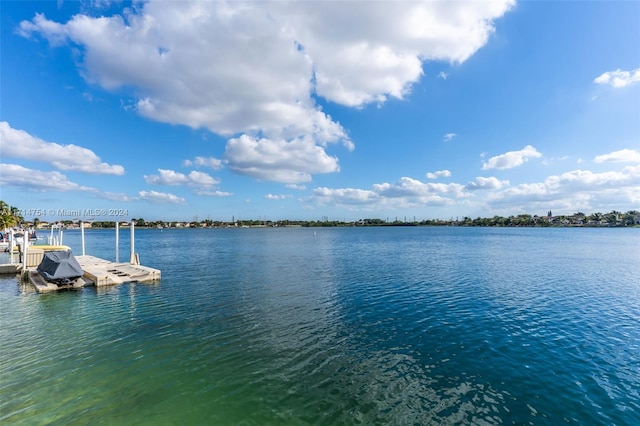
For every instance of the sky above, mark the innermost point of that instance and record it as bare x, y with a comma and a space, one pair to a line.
312, 110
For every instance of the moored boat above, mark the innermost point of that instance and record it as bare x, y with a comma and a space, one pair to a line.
58, 270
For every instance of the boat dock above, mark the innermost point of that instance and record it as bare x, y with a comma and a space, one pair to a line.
96, 271
103, 272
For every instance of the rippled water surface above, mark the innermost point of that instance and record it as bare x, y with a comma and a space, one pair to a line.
340, 326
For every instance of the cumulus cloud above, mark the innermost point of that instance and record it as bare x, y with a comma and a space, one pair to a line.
412, 187
345, 196
619, 78
278, 160
16, 143
266, 62
581, 180
160, 197
439, 173
368, 52
511, 159
14, 175
571, 191
210, 162
622, 156
170, 177
407, 192
486, 183
574, 190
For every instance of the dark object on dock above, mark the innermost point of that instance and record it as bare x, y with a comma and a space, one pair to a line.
60, 267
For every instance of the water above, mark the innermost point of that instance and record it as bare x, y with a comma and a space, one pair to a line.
344, 326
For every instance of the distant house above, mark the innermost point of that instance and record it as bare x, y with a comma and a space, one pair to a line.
556, 220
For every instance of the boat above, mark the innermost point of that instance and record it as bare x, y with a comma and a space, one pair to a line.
31, 235
18, 237
43, 247
58, 270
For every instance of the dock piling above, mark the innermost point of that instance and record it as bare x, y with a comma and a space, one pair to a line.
82, 235
132, 258
25, 244
117, 242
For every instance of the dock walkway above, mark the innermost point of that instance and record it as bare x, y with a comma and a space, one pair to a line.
103, 272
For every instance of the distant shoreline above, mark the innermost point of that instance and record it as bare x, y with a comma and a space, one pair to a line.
613, 219
352, 225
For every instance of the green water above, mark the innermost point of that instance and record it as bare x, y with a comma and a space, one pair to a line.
348, 326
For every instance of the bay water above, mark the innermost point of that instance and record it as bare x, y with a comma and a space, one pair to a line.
330, 326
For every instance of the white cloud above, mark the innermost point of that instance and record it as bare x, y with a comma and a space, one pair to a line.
405, 193
439, 173
571, 191
210, 162
221, 194
278, 160
574, 190
585, 180
448, 136
366, 52
486, 183
115, 196
622, 156
618, 78
345, 196
442, 75
277, 196
160, 197
551, 160
411, 187
511, 159
266, 61
16, 143
296, 186
170, 177
14, 175
215, 193
201, 179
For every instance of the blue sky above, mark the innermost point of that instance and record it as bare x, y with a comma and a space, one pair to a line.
305, 110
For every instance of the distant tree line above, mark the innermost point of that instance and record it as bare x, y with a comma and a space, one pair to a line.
611, 219
10, 216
